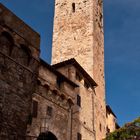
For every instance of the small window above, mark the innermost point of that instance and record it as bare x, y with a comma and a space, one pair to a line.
78, 100
73, 7
49, 111
59, 81
79, 136
100, 127
34, 109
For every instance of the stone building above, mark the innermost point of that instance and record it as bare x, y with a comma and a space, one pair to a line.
55, 102
52, 104
78, 33
111, 120
19, 63
83, 116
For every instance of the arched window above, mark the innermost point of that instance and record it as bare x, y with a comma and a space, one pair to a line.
23, 55
47, 136
6, 43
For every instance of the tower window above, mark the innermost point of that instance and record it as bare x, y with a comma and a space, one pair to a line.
100, 127
79, 136
73, 7
78, 100
6, 43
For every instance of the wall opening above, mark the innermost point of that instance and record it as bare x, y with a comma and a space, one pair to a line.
73, 7
79, 136
47, 136
6, 43
78, 100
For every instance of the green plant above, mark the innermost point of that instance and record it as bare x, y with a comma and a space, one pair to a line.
129, 131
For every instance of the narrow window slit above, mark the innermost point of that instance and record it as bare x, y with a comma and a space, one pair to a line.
73, 7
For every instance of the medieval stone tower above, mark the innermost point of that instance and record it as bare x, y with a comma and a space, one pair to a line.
78, 33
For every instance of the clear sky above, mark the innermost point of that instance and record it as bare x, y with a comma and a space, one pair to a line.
122, 47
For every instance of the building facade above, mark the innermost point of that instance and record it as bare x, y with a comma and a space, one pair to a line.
111, 120
78, 33
19, 63
83, 114
52, 104
39, 101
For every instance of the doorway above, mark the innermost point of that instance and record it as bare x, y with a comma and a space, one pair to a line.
47, 136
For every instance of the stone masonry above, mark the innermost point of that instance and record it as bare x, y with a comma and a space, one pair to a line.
63, 101
19, 59
78, 33
59, 98
83, 115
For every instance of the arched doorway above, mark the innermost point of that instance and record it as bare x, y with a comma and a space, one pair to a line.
47, 136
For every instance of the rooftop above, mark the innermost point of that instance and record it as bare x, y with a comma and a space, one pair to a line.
73, 62
57, 73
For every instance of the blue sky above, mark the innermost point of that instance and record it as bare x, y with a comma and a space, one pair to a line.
122, 48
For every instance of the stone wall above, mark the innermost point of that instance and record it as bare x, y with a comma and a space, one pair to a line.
18, 74
59, 98
9, 19
83, 115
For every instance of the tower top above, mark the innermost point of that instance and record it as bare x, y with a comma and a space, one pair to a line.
78, 30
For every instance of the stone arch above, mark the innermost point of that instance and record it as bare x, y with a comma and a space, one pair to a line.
22, 54
6, 43
62, 96
55, 92
47, 136
47, 87
70, 102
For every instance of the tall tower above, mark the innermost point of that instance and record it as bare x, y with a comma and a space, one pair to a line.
78, 33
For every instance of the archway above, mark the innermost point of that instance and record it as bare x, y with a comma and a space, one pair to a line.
47, 136
6, 43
